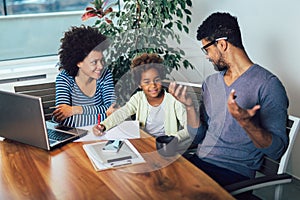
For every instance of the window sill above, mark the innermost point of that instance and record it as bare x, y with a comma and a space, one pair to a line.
27, 71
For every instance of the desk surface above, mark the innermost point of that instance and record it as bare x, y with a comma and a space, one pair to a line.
67, 173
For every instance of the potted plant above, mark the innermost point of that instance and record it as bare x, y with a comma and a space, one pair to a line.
142, 26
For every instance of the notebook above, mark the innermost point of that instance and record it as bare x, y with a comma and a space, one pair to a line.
22, 119
101, 159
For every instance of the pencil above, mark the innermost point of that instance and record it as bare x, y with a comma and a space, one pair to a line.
99, 119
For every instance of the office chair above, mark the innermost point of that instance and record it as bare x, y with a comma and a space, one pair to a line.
45, 90
271, 172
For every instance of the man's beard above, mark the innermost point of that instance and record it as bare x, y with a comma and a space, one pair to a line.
220, 67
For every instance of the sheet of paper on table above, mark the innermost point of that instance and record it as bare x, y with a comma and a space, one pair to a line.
125, 130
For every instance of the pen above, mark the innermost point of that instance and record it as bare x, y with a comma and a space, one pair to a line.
119, 159
99, 119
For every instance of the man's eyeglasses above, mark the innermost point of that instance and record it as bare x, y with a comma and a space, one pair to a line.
211, 43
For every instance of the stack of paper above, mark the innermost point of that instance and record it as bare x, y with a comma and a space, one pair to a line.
101, 160
125, 130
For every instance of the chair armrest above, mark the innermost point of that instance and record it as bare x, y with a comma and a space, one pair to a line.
256, 183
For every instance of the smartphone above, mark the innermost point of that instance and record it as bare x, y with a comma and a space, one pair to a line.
113, 146
167, 82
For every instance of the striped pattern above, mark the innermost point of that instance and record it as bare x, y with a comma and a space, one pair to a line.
68, 92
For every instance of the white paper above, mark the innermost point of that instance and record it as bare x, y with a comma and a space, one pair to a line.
125, 130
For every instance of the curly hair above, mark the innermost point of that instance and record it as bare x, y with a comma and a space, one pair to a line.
221, 25
144, 62
76, 44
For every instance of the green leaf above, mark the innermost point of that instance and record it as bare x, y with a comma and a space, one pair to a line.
186, 29
188, 19
189, 2
179, 26
186, 64
169, 25
181, 52
179, 13
182, 4
172, 7
187, 11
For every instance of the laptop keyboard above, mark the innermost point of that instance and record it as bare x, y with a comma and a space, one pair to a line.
58, 136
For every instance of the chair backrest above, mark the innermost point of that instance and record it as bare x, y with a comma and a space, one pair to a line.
270, 166
45, 90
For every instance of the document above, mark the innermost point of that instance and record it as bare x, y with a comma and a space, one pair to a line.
125, 130
102, 160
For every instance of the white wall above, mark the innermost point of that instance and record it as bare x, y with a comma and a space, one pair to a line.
270, 31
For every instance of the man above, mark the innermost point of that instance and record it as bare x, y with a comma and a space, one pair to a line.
244, 107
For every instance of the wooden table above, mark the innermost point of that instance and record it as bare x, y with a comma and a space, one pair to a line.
66, 173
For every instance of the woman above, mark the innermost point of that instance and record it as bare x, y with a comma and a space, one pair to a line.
84, 87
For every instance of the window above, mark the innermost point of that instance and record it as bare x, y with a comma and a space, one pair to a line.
12, 7
1, 8
33, 28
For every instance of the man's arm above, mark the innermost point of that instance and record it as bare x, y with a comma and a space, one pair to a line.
260, 137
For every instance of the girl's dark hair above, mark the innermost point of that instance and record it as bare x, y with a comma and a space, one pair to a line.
219, 25
76, 44
145, 62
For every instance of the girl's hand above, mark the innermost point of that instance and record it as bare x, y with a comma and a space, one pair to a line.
98, 130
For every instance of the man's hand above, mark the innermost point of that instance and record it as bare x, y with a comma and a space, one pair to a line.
180, 94
243, 116
260, 137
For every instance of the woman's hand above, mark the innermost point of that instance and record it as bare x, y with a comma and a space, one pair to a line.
98, 130
64, 111
112, 109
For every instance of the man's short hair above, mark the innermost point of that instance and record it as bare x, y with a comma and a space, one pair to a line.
219, 25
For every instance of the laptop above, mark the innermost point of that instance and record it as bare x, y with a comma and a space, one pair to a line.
22, 120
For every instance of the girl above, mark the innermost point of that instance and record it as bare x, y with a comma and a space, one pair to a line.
158, 112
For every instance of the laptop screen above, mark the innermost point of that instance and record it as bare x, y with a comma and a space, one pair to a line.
22, 119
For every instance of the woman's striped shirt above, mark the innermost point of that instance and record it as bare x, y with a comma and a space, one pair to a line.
68, 92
